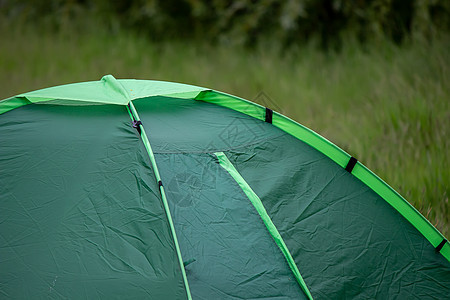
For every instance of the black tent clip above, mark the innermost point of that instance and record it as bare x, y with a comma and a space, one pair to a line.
269, 114
136, 124
351, 164
441, 245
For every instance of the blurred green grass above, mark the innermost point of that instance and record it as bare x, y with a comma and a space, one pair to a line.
389, 106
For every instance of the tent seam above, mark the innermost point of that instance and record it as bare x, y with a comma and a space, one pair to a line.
260, 141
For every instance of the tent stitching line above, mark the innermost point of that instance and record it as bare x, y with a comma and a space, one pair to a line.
222, 149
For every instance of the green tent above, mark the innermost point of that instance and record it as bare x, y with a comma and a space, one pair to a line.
150, 189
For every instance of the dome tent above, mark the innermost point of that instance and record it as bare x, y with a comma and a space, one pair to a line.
138, 189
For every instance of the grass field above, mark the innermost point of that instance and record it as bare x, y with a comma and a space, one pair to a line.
388, 106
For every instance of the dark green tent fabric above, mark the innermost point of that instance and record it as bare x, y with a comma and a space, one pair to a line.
349, 242
219, 231
82, 213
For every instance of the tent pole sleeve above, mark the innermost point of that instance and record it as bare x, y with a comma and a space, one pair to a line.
254, 199
135, 117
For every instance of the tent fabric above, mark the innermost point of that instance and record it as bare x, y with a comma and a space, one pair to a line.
227, 165
106, 91
138, 125
338, 156
64, 232
229, 254
90, 207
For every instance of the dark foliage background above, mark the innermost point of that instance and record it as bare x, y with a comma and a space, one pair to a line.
246, 22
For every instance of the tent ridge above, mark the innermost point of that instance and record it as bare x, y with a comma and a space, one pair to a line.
107, 90
112, 83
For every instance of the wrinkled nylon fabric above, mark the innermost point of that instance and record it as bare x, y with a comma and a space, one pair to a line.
254, 199
135, 118
346, 240
228, 251
338, 156
182, 125
111, 91
81, 215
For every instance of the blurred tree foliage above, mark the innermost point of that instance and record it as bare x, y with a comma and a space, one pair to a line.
247, 22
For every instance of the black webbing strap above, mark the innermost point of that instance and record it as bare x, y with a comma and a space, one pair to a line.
351, 164
269, 114
160, 183
439, 247
136, 125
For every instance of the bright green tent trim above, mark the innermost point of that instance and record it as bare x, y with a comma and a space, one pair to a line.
134, 114
254, 199
11, 103
337, 155
108, 90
